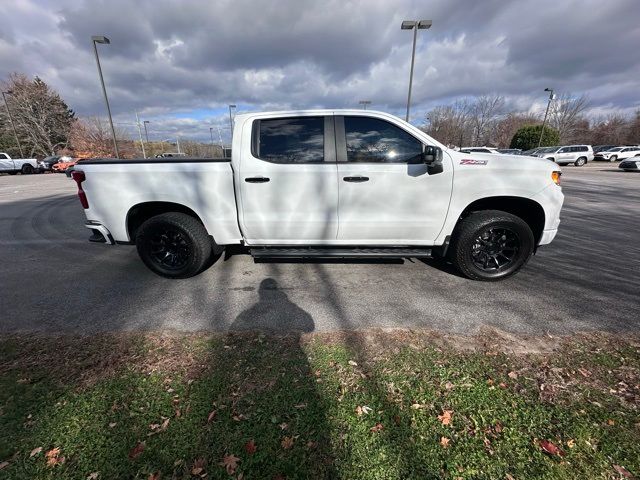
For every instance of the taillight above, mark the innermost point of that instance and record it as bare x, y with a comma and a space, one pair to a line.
78, 177
555, 176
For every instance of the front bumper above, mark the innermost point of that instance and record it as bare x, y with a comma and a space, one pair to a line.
100, 233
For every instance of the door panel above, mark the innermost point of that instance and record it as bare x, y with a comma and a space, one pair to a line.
400, 202
288, 183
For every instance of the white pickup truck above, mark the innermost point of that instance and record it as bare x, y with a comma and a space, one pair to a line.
326, 183
15, 165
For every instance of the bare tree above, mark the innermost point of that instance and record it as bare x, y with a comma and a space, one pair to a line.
566, 114
449, 124
91, 137
506, 128
41, 117
484, 114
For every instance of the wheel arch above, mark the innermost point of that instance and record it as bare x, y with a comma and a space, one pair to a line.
141, 212
528, 210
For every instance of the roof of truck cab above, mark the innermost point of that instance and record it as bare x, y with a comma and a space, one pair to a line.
327, 111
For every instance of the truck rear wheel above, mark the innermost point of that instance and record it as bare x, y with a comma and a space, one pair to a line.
27, 169
174, 245
491, 245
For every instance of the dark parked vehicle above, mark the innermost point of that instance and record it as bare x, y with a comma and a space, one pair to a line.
602, 148
510, 151
48, 163
630, 165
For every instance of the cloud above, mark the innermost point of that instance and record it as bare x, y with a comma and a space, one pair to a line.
181, 63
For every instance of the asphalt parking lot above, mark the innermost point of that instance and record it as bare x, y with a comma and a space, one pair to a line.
53, 280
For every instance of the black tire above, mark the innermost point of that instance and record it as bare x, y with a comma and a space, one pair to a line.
174, 245
580, 162
27, 169
13, 173
613, 158
487, 237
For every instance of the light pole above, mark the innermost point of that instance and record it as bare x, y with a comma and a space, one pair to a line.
230, 118
551, 97
364, 103
146, 132
104, 40
13, 126
414, 25
144, 153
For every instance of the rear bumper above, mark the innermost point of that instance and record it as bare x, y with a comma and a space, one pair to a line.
100, 233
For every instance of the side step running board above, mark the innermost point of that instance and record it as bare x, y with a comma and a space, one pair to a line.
324, 252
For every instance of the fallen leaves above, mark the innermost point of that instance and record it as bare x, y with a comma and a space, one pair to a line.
4, 465
623, 471
230, 462
136, 451
551, 448
362, 410
444, 442
35, 452
93, 476
198, 466
154, 476
446, 416
250, 447
212, 416
376, 428
54, 458
287, 442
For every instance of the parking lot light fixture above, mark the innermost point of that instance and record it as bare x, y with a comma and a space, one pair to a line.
146, 132
414, 25
364, 103
13, 126
105, 41
546, 113
231, 118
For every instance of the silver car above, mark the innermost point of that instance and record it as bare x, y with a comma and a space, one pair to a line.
578, 155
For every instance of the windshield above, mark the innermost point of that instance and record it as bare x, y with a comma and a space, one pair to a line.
547, 150
617, 149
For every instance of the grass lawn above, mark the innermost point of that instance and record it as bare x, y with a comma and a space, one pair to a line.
385, 405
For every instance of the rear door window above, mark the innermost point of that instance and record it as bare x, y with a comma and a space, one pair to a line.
290, 140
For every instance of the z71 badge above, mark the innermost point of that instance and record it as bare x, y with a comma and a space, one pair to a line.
470, 161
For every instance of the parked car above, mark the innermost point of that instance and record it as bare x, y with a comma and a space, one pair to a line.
326, 183
17, 165
63, 165
618, 153
171, 154
578, 155
630, 165
602, 148
48, 162
479, 150
510, 151
532, 152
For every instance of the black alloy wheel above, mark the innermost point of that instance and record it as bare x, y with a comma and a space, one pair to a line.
495, 249
174, 245
170, 249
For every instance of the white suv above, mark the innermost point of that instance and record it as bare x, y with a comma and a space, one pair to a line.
618, 153
579, 155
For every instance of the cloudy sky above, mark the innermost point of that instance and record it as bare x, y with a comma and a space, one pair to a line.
180, 63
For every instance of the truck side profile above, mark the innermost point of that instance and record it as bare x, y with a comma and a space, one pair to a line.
326, 183
17, 165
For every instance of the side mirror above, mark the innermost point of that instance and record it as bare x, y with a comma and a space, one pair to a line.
432, 157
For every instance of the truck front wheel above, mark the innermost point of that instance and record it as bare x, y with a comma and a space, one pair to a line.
174, 245
491, 245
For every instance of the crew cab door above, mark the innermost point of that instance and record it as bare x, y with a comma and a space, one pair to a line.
387, 196
288, 182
